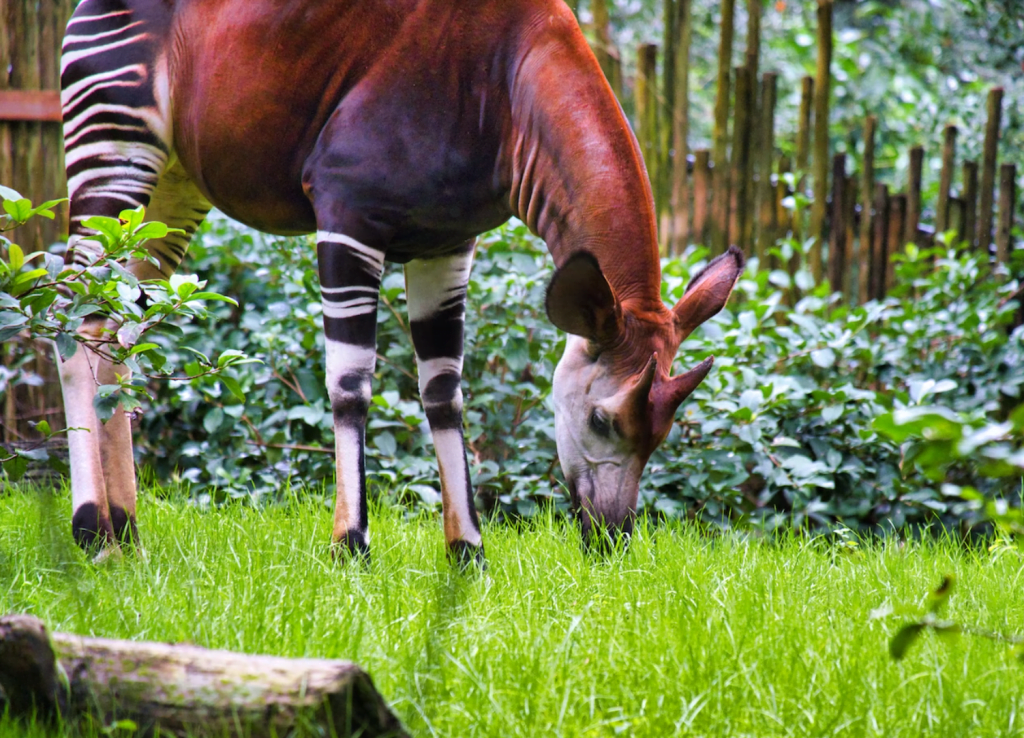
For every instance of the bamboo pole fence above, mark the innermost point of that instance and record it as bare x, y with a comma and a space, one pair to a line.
734, 191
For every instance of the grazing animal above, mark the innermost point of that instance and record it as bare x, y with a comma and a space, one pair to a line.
396, 130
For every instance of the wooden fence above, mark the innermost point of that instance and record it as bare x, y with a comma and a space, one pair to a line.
32, 162
733, 192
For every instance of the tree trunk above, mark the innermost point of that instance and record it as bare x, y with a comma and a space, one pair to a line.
185, 689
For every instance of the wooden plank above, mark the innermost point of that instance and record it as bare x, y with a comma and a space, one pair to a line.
820, 161
988, 169
945, 178
1007, 202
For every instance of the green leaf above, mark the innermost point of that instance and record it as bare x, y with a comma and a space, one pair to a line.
16, 257
212, 296
139, 348
904, 639
824, 358
233, 386
66, 345
6, 193
15, 467
19, 210
108, 227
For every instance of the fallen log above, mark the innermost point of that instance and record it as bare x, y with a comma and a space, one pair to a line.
183, 689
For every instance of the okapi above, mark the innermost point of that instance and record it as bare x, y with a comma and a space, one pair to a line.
396, 130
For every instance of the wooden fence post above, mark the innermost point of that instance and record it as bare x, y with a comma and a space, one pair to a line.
879, 242
988, 169
956, 219
945, 178
768, 227
914, 182
897, 230
970, 197
740, 189
701, 191
720, 174
646, 100
604, 48
822, 86
1007, 203
867, 192
681, 131
837, 231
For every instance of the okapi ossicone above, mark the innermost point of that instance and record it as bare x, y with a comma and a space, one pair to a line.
396, 130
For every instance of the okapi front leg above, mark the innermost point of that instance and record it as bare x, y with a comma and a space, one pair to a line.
350, 274
436, 292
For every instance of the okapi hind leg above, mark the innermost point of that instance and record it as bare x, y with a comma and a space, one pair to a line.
350, 274
103, 480
436, 294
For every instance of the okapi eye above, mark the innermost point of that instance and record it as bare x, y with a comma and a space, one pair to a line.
599, 423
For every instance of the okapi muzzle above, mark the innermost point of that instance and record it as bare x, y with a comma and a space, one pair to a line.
614, 399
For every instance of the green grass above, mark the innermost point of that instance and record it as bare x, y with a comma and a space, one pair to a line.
680, 635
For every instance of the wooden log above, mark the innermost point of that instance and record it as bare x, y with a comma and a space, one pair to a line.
701, 192
184, 689
915, 173
820, 163
681, 130
768, 227
837, 231
988, 169
867, 193
1007, 203
740, 189
969, 193
720, 137
879, 243
945, 178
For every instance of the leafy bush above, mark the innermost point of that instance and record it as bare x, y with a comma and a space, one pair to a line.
781, 432
45, 299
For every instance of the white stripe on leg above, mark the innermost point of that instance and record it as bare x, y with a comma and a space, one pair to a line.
459, 521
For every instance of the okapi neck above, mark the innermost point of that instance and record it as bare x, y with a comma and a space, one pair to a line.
576, 175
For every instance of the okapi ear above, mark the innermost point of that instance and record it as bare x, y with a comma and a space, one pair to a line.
580, 300
708, 291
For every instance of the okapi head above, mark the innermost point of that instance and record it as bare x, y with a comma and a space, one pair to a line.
614, 398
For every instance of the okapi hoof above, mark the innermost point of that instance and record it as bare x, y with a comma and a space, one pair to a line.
466, 556
351, 546
125, 530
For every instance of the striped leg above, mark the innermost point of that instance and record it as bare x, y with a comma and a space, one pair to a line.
117, 141
350, 274
436, 292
